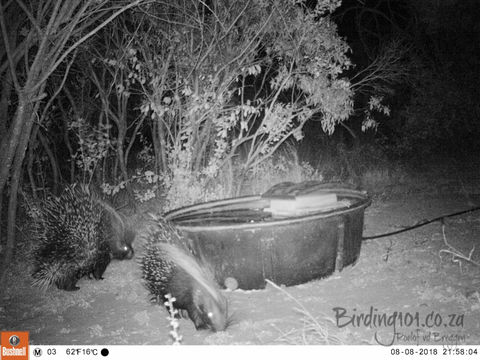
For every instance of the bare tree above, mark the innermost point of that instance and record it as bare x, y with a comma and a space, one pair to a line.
38, 38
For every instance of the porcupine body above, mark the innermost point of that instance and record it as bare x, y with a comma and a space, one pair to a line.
77, 235
169, 268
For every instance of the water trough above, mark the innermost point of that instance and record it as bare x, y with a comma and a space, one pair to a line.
254, 238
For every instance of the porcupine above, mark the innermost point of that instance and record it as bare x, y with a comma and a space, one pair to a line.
169, 268
78, 234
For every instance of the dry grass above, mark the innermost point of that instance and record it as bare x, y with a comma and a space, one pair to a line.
312, 332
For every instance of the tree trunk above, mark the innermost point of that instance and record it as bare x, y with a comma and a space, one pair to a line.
9, 144
53, 162
8, 147
17, 146
163, 146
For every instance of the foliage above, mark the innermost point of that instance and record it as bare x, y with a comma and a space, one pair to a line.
93, 145
234, 76
378, 31
284, 165
173, 320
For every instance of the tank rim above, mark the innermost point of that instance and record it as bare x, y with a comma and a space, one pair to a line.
363, 201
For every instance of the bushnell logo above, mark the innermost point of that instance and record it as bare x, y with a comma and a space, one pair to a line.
14, 340
14, 345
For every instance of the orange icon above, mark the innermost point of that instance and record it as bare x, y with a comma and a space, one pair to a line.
14, 345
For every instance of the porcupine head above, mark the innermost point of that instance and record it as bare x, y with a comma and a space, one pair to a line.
206, 306
120, 235
210, 311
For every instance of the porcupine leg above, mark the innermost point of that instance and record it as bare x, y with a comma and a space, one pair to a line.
68, 283
183, 314
100, 266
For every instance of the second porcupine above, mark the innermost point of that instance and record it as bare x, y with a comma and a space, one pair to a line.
78, 234
169, 268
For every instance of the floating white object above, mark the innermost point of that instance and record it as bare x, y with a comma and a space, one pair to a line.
303, 204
